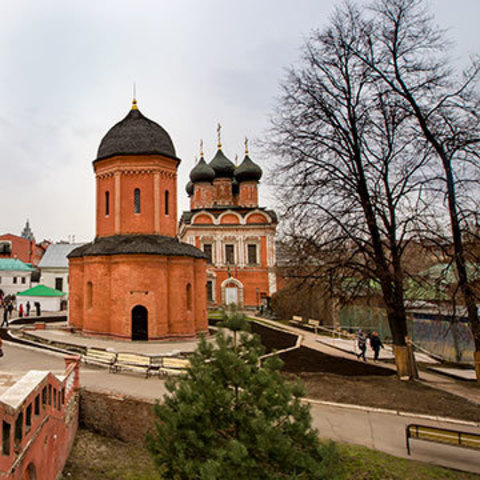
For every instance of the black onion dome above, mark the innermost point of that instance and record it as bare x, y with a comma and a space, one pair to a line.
136, 135
248, 170
222, 166
202, 172
189, 189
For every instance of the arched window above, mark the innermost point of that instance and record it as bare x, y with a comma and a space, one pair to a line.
107, 203
89, 295
136, 200
189, 296
166, 202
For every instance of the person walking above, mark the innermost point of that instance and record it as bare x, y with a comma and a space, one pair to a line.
37, 307
20, 310
362, 345
5, 316
28, 308
376, 345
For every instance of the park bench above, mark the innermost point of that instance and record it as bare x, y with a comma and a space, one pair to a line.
173, 366
98, 356
296, 320
313, 324
442, 435
134, 362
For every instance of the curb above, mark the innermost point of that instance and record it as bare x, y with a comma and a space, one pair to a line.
391, 412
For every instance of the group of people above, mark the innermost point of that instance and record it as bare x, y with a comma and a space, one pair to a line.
8, 305
375, 344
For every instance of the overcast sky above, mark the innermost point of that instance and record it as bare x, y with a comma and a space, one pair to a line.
66, 76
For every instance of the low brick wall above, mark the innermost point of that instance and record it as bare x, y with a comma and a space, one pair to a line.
116, 415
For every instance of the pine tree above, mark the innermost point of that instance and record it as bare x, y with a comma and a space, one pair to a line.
233, 416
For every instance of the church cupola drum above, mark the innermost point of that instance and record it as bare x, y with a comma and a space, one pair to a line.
136, 280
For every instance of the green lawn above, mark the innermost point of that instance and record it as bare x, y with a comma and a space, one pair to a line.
96, 457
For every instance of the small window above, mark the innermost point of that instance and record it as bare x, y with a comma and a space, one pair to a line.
252, 254
210, 291
189, 296
59, 283
229, 255
37, 406
19, 428
89, 294
24, 280
107, 203
6, 429
207, 249
44, 396
14, 279
136, 201
166, 202
54, 398
63, 397
49, 394
28, 419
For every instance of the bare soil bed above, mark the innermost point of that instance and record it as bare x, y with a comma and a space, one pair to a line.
341, 380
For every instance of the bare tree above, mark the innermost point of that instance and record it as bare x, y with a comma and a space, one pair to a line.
350, 172
407, 53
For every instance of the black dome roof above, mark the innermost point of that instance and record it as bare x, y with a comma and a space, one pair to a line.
202, 172
222, 165
134, 135
248, 170
189, 189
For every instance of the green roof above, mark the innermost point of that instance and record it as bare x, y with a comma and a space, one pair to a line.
41, 291
14, 264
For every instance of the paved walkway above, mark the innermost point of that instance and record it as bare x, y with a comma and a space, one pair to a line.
149, 348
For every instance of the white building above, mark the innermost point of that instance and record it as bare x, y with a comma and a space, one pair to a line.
54, 266
15, 276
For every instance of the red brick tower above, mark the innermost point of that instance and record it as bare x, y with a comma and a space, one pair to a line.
136, 280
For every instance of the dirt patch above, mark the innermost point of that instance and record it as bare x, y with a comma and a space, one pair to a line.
273, 339
305, 359
387, 392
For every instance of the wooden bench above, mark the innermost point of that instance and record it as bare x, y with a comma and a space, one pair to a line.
313, 324
134, 362
98, 356
442, 435
296, 320
173, 366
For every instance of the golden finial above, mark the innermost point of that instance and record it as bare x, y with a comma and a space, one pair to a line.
134, 101
219, 128
201, 148
236, 159
246, 146
196, 160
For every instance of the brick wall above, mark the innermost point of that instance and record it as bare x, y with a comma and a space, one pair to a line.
116, 415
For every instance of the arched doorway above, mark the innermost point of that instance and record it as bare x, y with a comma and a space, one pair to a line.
232, 292
139, 323
30, 473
